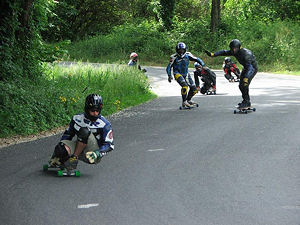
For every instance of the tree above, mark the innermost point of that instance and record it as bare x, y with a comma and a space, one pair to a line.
167, 13
20, 41
215, 15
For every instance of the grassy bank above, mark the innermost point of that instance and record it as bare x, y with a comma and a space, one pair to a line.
60, 93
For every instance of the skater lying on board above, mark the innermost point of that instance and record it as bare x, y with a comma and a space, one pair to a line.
180, 64
247, 60
208, 78
88, 138
230, 67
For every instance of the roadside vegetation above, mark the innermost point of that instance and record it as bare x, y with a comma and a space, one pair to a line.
49, 101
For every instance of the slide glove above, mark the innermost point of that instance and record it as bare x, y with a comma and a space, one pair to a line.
93, 156
209, 53
170, 79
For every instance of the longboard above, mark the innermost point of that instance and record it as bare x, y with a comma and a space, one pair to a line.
187, 107
61, 171
244, 110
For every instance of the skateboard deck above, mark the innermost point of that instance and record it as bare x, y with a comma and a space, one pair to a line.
61, 171
244, 110
187, 107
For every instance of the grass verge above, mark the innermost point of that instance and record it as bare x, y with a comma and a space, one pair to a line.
29, 107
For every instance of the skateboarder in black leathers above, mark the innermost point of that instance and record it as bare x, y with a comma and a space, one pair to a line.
208, 78
247, 60
88, 138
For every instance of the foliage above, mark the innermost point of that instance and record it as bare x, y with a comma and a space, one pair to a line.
20, 43
144, 38
60, 93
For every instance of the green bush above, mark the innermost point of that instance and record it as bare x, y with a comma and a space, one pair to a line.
60, 93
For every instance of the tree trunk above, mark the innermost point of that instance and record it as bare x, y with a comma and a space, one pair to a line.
167, 13
215, 15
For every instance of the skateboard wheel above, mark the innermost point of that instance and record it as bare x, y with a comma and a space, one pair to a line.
246, 111
77, 173
197, 105
254, 109
60, 173
180, 107
45, 167
234, 111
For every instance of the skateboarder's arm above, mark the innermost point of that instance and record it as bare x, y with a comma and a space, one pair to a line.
196, 78
70, 132
218, 53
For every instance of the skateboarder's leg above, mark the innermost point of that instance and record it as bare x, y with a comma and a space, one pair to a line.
184, 89
193, 89
204, 88
245, 81
60, 154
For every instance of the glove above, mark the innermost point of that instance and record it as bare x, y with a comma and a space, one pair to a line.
170, 79
209, 53
94, 156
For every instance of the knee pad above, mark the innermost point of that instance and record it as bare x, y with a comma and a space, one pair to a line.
203, 90
184, 90
83, 135
246, 81
60, 151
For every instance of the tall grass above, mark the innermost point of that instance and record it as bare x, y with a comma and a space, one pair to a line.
60, 93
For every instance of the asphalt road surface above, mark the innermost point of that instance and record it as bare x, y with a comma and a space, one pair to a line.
172, 167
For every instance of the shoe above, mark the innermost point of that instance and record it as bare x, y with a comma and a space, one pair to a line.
191, 102
186, 104
245, 104
71, 163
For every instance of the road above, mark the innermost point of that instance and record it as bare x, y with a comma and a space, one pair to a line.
172, 167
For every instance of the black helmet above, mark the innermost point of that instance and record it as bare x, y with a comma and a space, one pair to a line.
93, 102
181, 49
235, 43
227, 60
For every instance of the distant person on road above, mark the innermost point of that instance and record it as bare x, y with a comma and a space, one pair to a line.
230, 67
180, 64
248, 61
208, 78
134, 61
88, 138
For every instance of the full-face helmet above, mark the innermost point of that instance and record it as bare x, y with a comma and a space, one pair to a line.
93, 102
181, 49
227, 60
197, 65
235, 43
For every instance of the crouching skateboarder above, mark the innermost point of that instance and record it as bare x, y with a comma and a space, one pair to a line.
208, 78
88, 138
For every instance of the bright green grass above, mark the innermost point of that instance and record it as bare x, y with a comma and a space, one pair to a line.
28, 107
